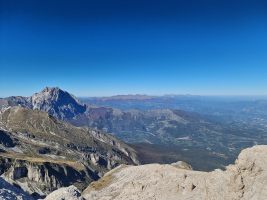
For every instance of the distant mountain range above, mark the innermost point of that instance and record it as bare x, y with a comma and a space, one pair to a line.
230, 106
124, 97
217, 129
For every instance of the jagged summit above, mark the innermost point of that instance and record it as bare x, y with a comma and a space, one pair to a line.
52, 100
50, 91
47, 88
53, 91
57, 102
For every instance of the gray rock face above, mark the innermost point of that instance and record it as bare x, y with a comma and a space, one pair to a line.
182, 165
54, 101
67, 193
18, 100
57, 103
39, 179
245, 180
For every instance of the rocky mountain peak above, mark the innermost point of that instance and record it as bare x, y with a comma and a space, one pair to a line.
49, 89
54, 94
52, 100
57, 102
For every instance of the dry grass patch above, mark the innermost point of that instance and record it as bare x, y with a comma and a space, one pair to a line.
74, 164
104, 181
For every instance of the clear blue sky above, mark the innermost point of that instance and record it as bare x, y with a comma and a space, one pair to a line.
106, 47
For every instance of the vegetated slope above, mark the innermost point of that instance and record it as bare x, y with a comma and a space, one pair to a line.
40, 153
185, 133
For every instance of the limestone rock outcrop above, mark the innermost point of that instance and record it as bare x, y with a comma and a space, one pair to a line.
67, 193
244, 180
39, 179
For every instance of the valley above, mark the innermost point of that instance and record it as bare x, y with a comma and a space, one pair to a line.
217, 128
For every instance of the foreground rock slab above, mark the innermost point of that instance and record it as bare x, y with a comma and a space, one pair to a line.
245, 180
67, 193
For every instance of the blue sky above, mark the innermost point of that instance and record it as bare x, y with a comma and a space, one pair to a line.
103, 47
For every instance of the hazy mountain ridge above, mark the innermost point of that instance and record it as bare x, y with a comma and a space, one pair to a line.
230, 106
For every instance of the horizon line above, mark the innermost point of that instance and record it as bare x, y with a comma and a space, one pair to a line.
153, 95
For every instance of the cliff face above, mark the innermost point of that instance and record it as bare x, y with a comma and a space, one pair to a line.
41, 178
245, 180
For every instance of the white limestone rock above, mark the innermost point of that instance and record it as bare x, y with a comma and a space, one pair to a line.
245, 180
66, 193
